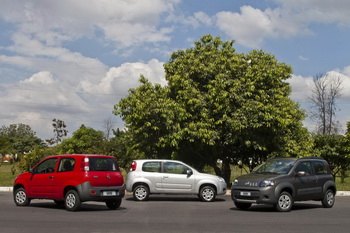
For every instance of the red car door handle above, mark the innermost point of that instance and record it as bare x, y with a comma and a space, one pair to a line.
50, 177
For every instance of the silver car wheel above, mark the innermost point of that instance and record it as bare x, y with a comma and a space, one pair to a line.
208, 194
284, 202
141, 193
21, 197
70, 200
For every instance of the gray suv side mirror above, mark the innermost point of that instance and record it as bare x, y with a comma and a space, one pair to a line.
301, 173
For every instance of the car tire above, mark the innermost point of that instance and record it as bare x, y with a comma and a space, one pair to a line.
20, 197
113, 204
72, 201
242, 206
207, 194
328, 199
141, 193
284, 202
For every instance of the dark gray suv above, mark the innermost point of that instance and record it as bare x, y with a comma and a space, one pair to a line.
282, 181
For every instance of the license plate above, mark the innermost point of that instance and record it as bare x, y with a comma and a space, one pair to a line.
109, 193
246, 194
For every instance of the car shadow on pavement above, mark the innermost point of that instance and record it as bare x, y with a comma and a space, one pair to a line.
270, 208
84, 207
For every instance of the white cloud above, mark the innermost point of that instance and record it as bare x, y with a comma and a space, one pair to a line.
44, 96
323, 11
344, 76
120, 79
203, 18
251, 26
301, 87
196, 20
41, 78
303, 58
123, 22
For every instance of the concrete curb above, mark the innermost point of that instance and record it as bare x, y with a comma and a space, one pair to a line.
343, 193
339, 193
6, 189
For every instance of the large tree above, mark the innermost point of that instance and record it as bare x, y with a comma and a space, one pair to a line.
59, 129
335, 149
19, 139
325, 92
218, 104
84, 140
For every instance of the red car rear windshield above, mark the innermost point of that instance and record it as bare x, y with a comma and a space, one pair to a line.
103, 164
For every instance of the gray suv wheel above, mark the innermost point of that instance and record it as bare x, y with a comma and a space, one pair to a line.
285, 202
328, 199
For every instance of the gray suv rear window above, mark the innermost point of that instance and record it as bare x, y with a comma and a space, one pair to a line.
320, 168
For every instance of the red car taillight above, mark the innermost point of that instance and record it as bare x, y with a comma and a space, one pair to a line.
85, 164
133, 166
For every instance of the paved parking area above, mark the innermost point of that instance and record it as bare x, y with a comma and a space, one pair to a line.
172, 214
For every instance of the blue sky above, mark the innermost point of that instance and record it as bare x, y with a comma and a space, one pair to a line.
73, 60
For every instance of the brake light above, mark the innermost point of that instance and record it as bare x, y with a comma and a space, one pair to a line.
85, 164
133, 166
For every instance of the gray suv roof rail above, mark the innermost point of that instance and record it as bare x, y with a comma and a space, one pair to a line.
311, 157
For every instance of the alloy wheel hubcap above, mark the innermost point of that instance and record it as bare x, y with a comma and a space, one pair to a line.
284, 202
208, 194
141, 193
330, 198
21, 197
70, 200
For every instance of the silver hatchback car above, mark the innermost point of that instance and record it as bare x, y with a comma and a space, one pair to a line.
171, 177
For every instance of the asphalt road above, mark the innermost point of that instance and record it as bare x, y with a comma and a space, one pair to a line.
172, 214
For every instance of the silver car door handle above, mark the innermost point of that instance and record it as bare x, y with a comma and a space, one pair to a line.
165, 177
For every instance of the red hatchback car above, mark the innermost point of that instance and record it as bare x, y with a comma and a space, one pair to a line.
71, 180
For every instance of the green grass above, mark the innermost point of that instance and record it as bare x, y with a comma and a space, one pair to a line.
343, 186
6, 175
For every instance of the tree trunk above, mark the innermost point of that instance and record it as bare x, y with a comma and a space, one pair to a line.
216, 169
226, 170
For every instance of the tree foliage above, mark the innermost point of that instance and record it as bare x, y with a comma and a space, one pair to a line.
59, 129
335, 149
218, 104
35, 156
121, 147
18, 139
84, 140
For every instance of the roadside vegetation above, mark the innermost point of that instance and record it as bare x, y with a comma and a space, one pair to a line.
8, 173
218, 105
